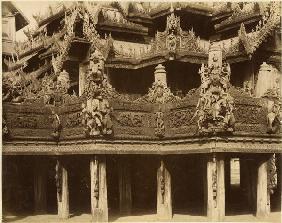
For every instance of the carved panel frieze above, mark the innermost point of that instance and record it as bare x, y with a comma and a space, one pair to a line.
250, 114
130, 119
181, 118
72, 120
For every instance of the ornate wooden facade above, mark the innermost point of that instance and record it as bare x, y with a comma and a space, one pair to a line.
215, 94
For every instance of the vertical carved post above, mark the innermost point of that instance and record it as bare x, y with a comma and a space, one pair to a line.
215, 188
99, 201
62, 189
164, 205
40, 174
125, 198
263, 205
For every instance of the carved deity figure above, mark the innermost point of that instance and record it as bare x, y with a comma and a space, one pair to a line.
56, 124
274, 119
215, 106
96, 111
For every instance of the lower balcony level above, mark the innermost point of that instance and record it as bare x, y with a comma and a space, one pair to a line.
142, 188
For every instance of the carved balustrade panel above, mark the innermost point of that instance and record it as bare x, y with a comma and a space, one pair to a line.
27, 121
133, 119
250, 113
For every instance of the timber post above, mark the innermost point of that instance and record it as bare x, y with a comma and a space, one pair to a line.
263, 201
164, 201
62, 188
215, 187
40, 187
99, 200
125, 194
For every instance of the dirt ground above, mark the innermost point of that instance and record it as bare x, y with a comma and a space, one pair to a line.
274, 217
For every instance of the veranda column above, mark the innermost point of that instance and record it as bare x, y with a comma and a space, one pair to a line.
40, 176
215, 187
62, 188
125, 196
99, 200
263, 204
164, 205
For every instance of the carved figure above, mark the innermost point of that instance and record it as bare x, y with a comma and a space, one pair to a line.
215, 106
96, 111
160, 128
273, 119
57, 126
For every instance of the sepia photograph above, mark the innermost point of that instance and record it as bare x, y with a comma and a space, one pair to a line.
129, 111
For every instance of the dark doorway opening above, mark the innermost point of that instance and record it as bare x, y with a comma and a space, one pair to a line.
187, 184
144, 184
79, 184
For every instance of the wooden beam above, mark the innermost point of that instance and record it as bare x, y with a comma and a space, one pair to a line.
99, 200
215, 187
263, 204
62, 189
164, 203
125, 195
40, 185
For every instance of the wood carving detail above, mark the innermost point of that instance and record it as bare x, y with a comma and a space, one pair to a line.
215, 106
96, 111
58, 179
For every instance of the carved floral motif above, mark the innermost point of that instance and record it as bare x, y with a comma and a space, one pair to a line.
272, 174
270, 20
5, 130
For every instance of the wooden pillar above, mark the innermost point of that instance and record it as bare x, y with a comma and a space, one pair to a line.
62, 189
99, 200
40, 192
215, 187
263, 204
125, 197
164, 203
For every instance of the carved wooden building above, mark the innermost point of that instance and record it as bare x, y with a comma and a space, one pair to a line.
116, 107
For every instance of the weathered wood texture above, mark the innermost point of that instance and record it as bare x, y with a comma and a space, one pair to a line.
40, 185
164, 202
125, 193
215, 188
263, 201
99, 200
63, 198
